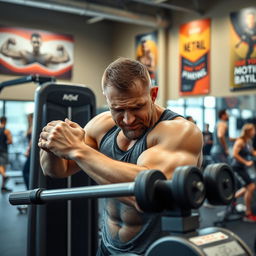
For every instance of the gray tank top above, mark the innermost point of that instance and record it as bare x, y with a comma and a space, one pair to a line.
217, 146
151, 229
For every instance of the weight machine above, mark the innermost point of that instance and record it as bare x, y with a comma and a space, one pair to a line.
53, 228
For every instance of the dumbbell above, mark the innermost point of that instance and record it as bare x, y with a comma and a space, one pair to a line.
152, 191
219, 183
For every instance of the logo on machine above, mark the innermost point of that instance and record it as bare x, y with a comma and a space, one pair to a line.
70, 97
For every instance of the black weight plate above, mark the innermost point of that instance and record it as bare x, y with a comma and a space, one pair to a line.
144, 190
220, 183
188, 187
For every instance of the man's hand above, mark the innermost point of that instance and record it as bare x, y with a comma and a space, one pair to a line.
62, 138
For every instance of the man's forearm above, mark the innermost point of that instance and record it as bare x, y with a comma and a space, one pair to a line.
52, 165
105, 170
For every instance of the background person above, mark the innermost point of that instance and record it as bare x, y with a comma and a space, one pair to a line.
241, 161
191, 119
208, 141
220, 147
5, 140
26, 167
135, 135
35, 55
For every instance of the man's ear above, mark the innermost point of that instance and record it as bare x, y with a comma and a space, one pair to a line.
153, 93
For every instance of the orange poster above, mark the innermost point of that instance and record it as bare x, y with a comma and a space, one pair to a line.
243, 49
194, 49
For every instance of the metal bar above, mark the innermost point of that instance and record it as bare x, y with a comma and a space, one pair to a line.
93, 10
99, 191
167, 6
26, 79
69, 204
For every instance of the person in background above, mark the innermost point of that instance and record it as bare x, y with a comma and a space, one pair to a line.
5, 140
26, 167
241, 161
134, 136
191, 119
220, 147
208, 141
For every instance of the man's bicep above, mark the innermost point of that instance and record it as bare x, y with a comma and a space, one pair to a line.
165, 160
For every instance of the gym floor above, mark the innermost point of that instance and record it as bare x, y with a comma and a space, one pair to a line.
13, 224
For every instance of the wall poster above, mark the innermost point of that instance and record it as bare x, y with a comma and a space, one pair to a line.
194, 49
28, 51
243, 49
147, 53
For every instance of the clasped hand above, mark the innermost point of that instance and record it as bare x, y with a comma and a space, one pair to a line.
62, 138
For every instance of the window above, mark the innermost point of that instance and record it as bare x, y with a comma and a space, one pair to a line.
16, 113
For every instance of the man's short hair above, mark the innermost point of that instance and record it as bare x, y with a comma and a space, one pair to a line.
123, 72
3, 119
35, 35
222, 112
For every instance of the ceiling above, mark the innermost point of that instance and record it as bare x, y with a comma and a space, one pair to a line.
152, 13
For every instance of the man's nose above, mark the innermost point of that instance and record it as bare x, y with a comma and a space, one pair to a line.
128, 118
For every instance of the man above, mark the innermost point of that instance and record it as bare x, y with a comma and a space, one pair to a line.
35, 55
5, 140
220, 148
147, 58
208, 140
249, 33
135, 135
191, 119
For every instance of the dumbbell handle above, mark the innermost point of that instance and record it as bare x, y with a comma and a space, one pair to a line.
39, 196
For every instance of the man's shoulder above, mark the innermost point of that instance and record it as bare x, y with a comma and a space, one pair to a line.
176, 128
100, 124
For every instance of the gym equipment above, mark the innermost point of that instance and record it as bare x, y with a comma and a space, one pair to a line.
51, 233
219, 183
151, 187
27, 79
53, 229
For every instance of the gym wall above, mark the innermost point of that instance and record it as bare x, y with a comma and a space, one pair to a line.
98, 44
92, 47
169, 70
220, 49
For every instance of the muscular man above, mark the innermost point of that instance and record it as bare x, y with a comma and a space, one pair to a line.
147, 58
35, 56
135, 135
220, 150
5, 140
249, 33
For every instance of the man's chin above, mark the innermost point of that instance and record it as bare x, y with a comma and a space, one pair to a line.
133, 135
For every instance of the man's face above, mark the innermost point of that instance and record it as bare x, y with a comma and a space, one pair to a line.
36, 43
131, 110
250, 20
225, 116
